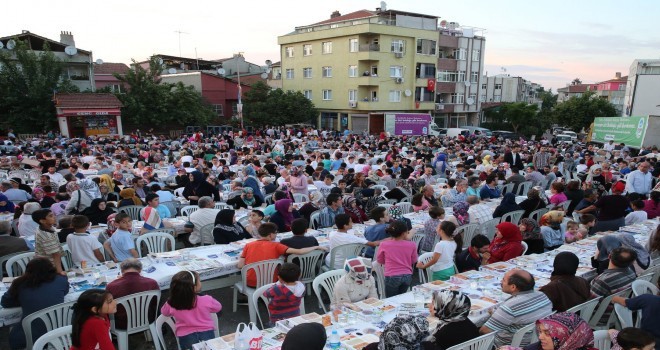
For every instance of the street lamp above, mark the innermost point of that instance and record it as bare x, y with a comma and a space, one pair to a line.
239, 106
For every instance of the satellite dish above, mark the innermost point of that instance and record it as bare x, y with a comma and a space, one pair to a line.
264, 75
443, 23
11, 44
467, 83
159, 60
221, 71
269, 62
171, 70
383, 6
99, 61
408, 93
268, 70
469, 100
70, 50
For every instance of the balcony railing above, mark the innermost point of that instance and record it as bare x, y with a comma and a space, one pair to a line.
369, 47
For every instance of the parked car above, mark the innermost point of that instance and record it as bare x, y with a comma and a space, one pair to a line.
507, 135
571, 134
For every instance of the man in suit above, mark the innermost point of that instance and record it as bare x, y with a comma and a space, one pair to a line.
513, 158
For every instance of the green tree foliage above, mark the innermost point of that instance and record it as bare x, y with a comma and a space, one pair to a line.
149, 101
264, 106
579, 112
514, 115
28, 81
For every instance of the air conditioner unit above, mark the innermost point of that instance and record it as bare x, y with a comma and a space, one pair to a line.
398, 54
398, 80
352, 104
439, 106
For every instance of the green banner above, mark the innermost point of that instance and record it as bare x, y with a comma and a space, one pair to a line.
628, 130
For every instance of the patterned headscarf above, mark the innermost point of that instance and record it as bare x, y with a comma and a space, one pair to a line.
404, 333
348, 207
358, 269
129, 193
461, 213
450, 306
395, 212
628, 241
533, 231
90, 188
568, 331
71, 186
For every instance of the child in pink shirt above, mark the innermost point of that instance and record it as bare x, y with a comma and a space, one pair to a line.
398, 255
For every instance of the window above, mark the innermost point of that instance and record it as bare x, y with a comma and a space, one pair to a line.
397, 46
498, 86
474, 77
473, 96
497, 98
396, 71
476, 55
352, 95
374, 96
374, 71
234, 109
422, 94
461, 75
395, 95
425, 70
289, 73
457, 98
327, 95
307, 50
352, 71
327, 47
426, 47
353, 45
327, 72
447, 76
483, 86
218, 110
307, 72
307, 94
116, 89
482, 98
459, 54
289, 51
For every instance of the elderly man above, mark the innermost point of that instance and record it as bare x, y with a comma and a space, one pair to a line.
429, 195
640, 180
525, 306
205, 215
428, 176
10, 244
456, 194
131, 282
479, 212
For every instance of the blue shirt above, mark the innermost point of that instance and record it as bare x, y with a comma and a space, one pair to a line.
552, 238
327, 216
650, 306
121, 243
336, 164
372, 234
488, 193
638, 182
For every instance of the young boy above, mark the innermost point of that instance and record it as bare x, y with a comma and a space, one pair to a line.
638, 215
572, 232
476, 255
83, 246
341, 237
286, 294
121, 245
299, 240
587, 221
47, 244
254, 221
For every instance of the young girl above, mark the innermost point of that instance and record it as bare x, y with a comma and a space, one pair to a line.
397, 255
437, 215
254, 221
191, 312
419, 203
90, 325
442, 262
587, 221
572, 232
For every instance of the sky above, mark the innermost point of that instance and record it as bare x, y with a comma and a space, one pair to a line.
548, 42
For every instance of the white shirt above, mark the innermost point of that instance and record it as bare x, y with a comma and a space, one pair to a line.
200, 218
608, 147
581, 168
55, 177
341, 238
26, 226
82, 246
446, 250
636, 217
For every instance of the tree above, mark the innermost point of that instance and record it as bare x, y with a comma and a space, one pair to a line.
28, 81
514, 114
576, 81
580, 112
264, 106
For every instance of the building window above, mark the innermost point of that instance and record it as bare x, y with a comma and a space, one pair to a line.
422, 94
218, 110
447, 76
398, 46
483, 86
289, 73
374, 96
396, 71
327, 72
327, 47
352, 71
460, 54
457, 98
352, 95
289, 51
307, 50
374, 71
461, 75
353, 45
474, 77
498, 86
307, 94
426, 47
482, 98
307, 73
476, 55
497, 98
327, 95
425, 70
395, 95
473, 96
115, 89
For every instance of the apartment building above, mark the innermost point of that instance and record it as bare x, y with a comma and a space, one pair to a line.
573, 90
641, 97
356, 67
505, 88
612, 90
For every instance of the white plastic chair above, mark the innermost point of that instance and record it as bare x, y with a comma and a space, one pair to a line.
640, 287
3, 261
53, 317
220, 206
346, 251
66, 258
132, 210
417, 238
189, 209
625, 316
326, 282
17, 264
602, 340
425, 275
300, 198
259, 295
520, 334
508, 188
264, 271
523, 188
381, 187
206, 235
602, 307
137, 317
488, 228
468, 231
513, 217
156, 241
405, 207
179, 192
172, 207
315, 220
525, 247
387, 201
169, 321
379, 273
310, 264
586, 309
537, 214
385, 205
57, 339
484, 342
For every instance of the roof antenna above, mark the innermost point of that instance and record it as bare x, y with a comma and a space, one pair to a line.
180, 32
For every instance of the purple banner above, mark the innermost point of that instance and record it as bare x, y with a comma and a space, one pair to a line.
411, 124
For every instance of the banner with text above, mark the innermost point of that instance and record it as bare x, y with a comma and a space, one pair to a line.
628, 130
411, 124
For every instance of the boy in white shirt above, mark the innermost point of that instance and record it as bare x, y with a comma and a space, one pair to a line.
341, 237
83, 246
638, 215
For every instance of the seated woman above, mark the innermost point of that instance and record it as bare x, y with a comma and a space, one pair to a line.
566, 290
419, 203
533, 202
245, 200
128, 197
452, 309
98, 212
507, 205
39, 196
552, 230
404, 332
357, 284
506, 244
284, 215
531, 234
563, 330
315, 203
351, 208
226, 228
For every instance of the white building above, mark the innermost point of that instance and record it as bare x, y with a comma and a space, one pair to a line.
505, 88
641, 96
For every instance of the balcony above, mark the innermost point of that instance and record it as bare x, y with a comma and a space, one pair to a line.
445, 87
444, 108
449, 64
369, 47
371, 80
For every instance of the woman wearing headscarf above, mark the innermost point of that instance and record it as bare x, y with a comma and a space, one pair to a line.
251, 180
298, 181
533, 202
98, 212
506, 244
308, 336
596, 178
507, 205
284, 215
245, 200
454, 327
440, 164
566, 290
396, 214
460, 214
357, 284
227, 230
128, 197
106, 180
612, 209
351, 208
6, 206
82, 198
531, 234
404, 332
561, 331
198, 188
39, 196
486, 160
315, 203
552, 229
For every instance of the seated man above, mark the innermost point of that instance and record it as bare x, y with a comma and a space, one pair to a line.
525, 306
299, 240
83, 246
341, 237
10, 244
649, 304
131, 282
618, 276
334, 208
205, 215
476, 255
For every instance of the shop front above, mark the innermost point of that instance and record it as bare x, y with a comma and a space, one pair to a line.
83, 115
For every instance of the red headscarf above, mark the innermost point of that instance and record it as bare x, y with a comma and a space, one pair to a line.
508, 246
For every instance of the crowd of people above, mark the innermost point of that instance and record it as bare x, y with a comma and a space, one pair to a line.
55, 188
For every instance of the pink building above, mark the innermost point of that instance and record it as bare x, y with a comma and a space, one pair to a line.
104, 76
613, 90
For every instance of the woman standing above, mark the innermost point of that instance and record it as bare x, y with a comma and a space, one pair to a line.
298, 181
226, 228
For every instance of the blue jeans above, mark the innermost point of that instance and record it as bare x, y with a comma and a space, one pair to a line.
186, 342
395, 285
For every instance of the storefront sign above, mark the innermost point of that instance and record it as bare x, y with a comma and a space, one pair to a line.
93, 113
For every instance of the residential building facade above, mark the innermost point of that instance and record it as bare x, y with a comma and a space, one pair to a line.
505, 88
613, 90
573, 90
104, 76
641, 97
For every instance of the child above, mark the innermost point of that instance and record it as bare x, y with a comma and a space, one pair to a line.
572, 233
587, 221
341, 237
476, 255
90, 327
631, 339
254, 221
121, 246
286, 294
397, 255
638, 215
437, 215
442, 262
83, 246
419, 203
47, 243
299, 240
192, 312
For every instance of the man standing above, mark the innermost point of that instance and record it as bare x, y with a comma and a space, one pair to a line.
513, 157
541, 158
640, 180
202, 217
131, 282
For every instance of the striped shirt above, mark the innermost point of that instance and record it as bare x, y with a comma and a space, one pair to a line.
283, 302
46, 244
609, 282
516, 312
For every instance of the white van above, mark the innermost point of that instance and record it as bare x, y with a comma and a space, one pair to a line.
570, 134
454, 132
479, 131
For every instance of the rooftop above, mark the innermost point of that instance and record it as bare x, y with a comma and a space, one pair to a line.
86, 100
110, 68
